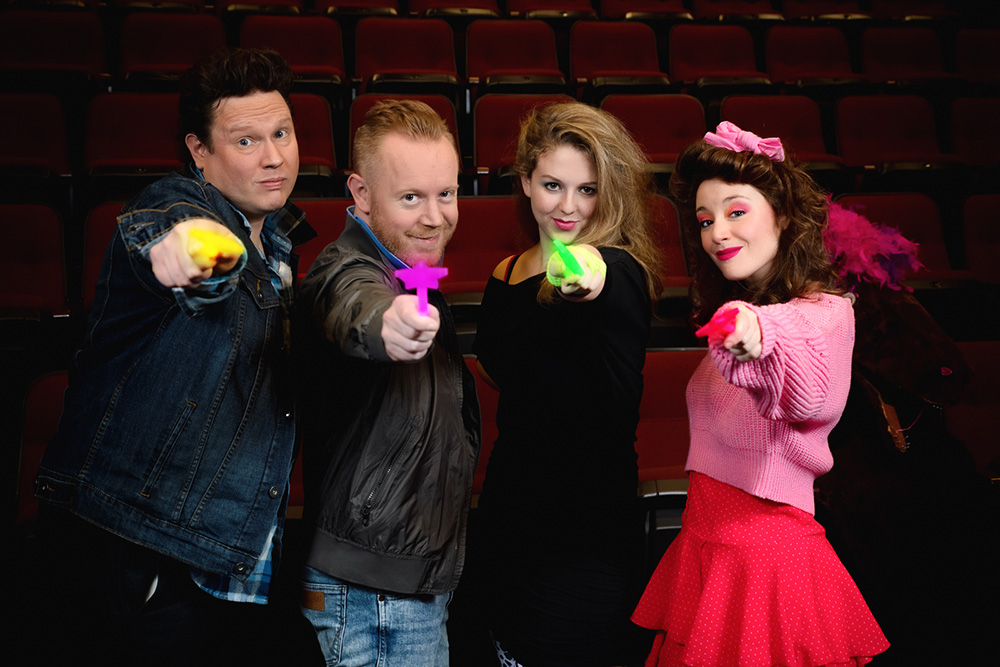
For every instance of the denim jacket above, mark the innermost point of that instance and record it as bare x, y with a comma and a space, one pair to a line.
177, 429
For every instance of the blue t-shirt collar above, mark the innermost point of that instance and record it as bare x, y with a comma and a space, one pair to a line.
396, 262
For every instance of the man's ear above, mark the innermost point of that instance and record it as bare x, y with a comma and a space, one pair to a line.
362, 194
197, 148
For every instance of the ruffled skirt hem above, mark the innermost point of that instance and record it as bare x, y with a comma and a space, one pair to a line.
752, 583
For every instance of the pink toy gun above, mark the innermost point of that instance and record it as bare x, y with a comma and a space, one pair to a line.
721, 324
421, 278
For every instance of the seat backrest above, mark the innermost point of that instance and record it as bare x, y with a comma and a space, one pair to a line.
893, 53
496, 122
326, 216
52, 41
362, 103
714, 10
238, 7
131, 132
799, 9
408, 45
509, 46
731, 52
792, 53
39, 140
972, 141
662, 124
981, 232
312, 45
164, 45
550, 8
644, 9
32, 263
42, 407
314, 131
459, 9
905, 10
915, 215
357, 7
663, 434
872, 129
487, 233
977, 54
600, 46
99, 226
794, 118
673, 268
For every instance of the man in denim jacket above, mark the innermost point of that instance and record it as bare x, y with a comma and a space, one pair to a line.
165, 485
391, 419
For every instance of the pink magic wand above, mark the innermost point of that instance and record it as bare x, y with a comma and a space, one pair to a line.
722, 324
421, 278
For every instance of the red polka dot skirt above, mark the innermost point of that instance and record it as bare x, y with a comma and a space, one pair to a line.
753, 583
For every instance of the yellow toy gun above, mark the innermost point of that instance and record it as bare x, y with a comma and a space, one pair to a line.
208, 248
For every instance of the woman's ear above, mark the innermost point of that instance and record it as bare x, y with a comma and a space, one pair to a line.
526, 185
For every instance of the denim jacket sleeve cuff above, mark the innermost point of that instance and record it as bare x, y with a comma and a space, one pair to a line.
145, 227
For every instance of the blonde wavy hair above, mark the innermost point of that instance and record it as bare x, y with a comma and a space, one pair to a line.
622, 217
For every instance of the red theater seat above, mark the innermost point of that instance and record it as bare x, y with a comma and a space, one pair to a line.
794, 118
663, 436
673, 271
512, 56
327, 217
918, 218
614, 56
662, 124
981, 230
487, 233
32, 265
496, 121
405, 55
714, 55
160, 46
312, 45
42, 407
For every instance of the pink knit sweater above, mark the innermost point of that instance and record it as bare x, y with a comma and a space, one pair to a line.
762, 425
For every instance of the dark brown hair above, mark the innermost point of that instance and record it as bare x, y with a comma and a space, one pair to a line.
802, 265
221, 74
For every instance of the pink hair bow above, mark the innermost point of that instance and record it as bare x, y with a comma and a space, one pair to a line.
729, 136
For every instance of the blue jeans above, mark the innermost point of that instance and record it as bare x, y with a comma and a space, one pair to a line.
359, 627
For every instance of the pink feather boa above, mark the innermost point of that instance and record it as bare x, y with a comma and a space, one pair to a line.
862, 250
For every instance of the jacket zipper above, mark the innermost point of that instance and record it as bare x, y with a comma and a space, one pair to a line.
366, 511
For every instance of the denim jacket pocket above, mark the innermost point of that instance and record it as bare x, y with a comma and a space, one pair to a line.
157, 466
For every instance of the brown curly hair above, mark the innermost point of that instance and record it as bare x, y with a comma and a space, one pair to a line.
802, 265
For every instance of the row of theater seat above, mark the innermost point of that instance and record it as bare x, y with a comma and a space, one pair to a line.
134, 133
705, 10
44, 274
385, 52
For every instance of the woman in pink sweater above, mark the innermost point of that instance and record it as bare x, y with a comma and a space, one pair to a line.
751, 579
